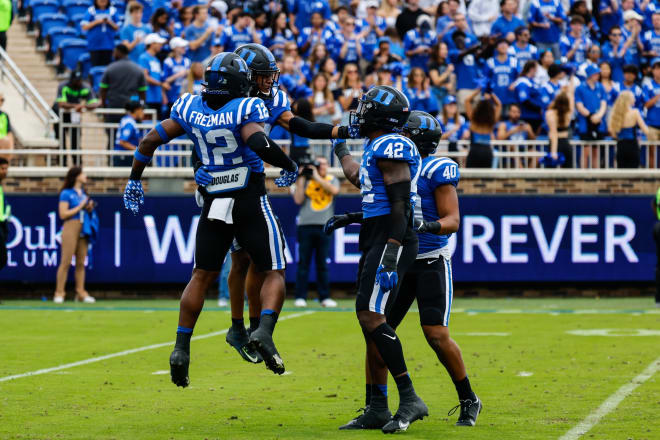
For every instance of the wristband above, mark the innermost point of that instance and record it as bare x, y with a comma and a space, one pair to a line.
342, 132
161, 132
142, 157
341, 150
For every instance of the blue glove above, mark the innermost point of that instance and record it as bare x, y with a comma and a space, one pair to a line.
354, 131
386, 279
133, 196
287, 178
202, 177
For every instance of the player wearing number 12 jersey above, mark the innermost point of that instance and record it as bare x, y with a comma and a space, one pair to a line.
387, 177
226, 128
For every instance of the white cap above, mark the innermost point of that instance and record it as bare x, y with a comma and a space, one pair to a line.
422, 18
220, 6
371, 4
154, 38
632, 15
178, 42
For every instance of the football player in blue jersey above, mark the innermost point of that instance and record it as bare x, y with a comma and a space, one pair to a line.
387, 177
265, 85
226, 128
429, 280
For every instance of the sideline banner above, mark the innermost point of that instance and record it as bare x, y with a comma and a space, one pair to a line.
501, 238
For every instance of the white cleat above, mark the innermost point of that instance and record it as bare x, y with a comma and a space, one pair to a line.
58, 300
329, 302
222, 302
300, 302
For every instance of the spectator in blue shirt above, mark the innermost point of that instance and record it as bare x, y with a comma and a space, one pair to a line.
632, 28
153, 74
161, 24
630, 74
506, 24
522, 49
241, 32
134, 31
591, 105
652, 104
515, 129
302, 11
465, 65
652, 38
610, 15
528, 96
276, 36
100, 23
310, 36
501, 70
460, 24
454, 125
419, 42
419, 93
128, 135
199, 35
346, 45
551, 88
615, 50
546, 18
175, 70
575, 44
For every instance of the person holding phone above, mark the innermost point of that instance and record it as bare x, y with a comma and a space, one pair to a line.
73, 200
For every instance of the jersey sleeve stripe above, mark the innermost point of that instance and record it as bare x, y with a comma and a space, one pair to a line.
240, 110
276, 101
249, 106
189, 101
285, 99
432, 170
428, 165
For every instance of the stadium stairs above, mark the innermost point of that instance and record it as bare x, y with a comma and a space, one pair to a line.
22, 48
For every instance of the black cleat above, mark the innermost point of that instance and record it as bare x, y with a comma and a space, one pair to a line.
262, 342
408, 412
369, 419
469, 412
241, 342
179, 361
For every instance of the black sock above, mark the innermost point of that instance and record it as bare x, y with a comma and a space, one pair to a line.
183, 341
254, 322
390, 349
368, 395
268, 320
464, 390
378, 397
657, 286
238, 324
405, 386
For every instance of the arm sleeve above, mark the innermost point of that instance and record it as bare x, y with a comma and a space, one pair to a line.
399, 196
269, 151
311, 130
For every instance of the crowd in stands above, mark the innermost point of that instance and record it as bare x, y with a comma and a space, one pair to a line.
511, 58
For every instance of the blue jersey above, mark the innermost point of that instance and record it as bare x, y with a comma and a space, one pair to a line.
413, 40
651, 89
74, 200
231, 38
528, 98
152, 65
638, 92
651, 41
500, 75
524, 54
372, 186
455, 127
591, 99
171, 67
466, 68
548, 93
216, 134
436, 171
277, 104
128, 132
566, 44
537, 11
609, 54
131, 32
502, 26
101, 36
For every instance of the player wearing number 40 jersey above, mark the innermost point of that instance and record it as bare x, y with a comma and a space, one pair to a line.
226, 128
265, 86
429, 280
387, 177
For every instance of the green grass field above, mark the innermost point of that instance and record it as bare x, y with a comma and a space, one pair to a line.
537, 381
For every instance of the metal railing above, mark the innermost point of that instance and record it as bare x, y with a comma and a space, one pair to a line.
31, 97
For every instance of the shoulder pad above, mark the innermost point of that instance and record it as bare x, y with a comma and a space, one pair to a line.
441, 170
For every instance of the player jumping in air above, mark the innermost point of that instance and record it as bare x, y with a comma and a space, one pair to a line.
226, 128
429, 280
265, 85
387, 177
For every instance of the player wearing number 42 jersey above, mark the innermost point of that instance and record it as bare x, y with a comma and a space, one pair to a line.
429, 280
226, 128
387, 178
243, 275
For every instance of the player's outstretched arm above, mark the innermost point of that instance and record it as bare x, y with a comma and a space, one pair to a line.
396, 176
316, 130
161, 134
350, 167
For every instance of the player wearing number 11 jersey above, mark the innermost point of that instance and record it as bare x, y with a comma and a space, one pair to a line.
226, 127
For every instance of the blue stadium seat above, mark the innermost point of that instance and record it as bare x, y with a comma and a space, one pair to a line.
39, 7
55, 37
95, 75
70, 51
120, 6
84, 64
47, 22
75, 21
75, 7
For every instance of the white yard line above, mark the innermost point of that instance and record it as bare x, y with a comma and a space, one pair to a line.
127, 352
611, 403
